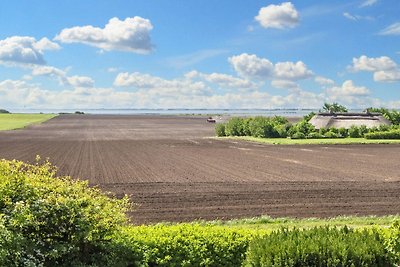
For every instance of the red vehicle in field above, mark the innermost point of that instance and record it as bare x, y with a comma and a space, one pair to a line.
211, 120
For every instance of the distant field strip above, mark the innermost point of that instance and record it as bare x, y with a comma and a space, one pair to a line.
17, 121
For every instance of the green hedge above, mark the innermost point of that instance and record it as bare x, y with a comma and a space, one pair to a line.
186, 245
49, 221
220, 129
392, 134
320, 246
259, 126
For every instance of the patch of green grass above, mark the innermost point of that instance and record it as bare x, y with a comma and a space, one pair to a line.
17, 121
268, 223
325, 141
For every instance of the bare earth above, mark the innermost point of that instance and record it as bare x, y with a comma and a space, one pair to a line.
175, 171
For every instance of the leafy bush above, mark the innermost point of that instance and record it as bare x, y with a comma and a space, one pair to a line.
343, 132
322, 246
279, 120
187, 245
234, 127
314, 136
283, 129
3, 111
363, 130
383, 128
393, 240
392, 134
331, 134
263, 127
323, 130
354, 132
304, 127
333, 130
49, 221
220, 129
298, 135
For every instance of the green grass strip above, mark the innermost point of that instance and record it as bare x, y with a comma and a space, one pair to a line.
18, 121
268, 223
325, 141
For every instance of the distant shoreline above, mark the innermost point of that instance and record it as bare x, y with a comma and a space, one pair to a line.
232, 112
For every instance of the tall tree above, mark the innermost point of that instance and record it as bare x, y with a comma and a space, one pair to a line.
334, 107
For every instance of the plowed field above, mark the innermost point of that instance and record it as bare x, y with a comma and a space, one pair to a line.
174, 171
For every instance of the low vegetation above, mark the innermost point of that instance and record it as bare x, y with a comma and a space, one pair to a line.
17, 121
279, 127
321, 246
3, 111
56, 221
313, 141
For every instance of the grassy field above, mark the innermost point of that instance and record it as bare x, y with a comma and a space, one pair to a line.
17, 121
328, 141
268, 223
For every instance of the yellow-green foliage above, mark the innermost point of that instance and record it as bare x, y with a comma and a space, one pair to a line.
188, 244
49, 221
17, 121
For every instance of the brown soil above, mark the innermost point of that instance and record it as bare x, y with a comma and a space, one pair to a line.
174, 171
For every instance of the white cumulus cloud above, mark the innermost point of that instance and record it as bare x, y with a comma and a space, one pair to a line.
131, 35
280, 16
252, 66
25, 50
351, 95
348, 89
365, 63
384, 68
63, 78
292, 71
282, 74
387, 76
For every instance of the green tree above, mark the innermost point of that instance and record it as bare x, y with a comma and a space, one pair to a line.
392, 115
334, 107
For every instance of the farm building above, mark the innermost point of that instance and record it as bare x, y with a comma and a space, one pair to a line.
346, 120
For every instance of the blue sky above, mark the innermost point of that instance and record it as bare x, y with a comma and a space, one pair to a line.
199, 54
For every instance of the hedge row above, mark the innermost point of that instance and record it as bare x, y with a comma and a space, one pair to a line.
257, 127
393, 134
322, 246
275, 127
186, 245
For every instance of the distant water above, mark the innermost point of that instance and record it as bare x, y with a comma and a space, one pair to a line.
238, 112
